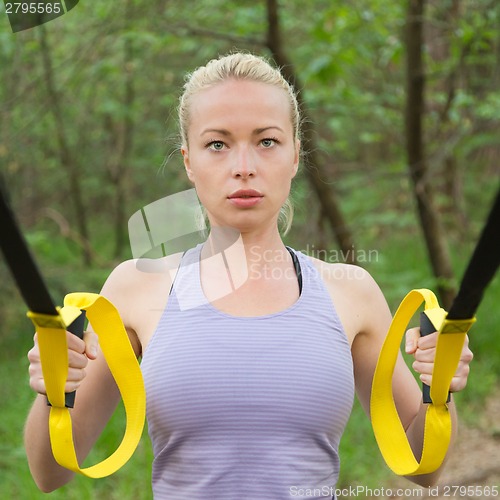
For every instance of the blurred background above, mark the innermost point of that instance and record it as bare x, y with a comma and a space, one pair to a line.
401, 163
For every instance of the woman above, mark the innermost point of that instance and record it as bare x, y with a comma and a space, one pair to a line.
252, 352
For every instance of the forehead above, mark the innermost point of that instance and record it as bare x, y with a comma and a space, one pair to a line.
236, 103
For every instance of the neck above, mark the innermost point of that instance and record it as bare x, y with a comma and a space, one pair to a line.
251, 249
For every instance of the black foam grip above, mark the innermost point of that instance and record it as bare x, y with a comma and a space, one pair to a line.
426, 328
76, 328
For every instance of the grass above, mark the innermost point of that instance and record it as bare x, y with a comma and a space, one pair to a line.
132, 481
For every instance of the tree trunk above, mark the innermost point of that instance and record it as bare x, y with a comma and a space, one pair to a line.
315, 170
429, 217
68, 161
439, 49
124, 136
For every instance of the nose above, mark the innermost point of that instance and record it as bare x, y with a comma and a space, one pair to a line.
244, 166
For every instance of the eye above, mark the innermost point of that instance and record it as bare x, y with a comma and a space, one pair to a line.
269, 142
215, 145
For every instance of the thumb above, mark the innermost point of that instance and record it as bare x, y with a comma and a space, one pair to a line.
91, 344
412, 336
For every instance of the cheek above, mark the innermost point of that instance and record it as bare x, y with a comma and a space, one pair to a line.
288, 167
207, 187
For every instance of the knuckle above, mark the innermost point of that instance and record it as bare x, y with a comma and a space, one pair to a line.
76, 375
424, 356
413, 332
70, 387
458, 384
33, 355
37, 385
77, 360
468, 356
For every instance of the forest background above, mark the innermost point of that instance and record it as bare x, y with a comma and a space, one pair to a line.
401, 163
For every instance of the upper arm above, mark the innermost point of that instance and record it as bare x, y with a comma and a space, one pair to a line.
363, 300
119, 289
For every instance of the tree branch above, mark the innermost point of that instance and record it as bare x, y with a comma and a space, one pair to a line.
315, 171
67, 160
430, 222
183, 29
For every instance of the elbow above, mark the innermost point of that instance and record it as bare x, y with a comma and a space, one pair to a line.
425, 480
45, 488
48, 486
49, 481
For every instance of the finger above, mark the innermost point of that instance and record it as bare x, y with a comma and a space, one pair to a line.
425, 355
412, 336
428, 341
38, 385
459, 382
36, 382
423, 368
91, 344
74, 380
467, 355
460, 378
77, 360
34, 355
75, 343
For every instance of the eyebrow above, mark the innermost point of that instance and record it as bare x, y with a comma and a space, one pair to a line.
226, 133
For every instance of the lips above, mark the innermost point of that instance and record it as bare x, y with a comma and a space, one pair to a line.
245, 198
245, 193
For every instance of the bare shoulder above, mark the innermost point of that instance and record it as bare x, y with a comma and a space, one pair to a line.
355, 294
139, 289
352, 279
135, 274
135, 271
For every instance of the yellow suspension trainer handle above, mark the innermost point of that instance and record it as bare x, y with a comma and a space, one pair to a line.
76, 328
51, 324
388, 429
452, 327
122, 362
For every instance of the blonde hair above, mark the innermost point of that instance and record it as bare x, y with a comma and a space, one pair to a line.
243, 66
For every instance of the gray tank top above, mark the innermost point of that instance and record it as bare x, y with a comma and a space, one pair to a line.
247, 408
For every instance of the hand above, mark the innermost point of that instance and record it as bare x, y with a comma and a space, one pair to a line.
79, 352
424, 352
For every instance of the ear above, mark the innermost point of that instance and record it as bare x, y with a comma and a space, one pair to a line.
296, 159
185, 155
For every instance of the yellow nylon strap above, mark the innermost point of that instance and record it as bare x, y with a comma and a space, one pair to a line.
122, 362
387, 426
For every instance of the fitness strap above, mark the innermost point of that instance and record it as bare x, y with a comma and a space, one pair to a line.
452, 328
122, 362
387, 427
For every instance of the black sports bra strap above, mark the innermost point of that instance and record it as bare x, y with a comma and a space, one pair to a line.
296, 265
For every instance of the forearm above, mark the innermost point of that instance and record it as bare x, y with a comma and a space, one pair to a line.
415, 434
46, 472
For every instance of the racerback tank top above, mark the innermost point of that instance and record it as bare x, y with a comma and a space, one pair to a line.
246, 408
